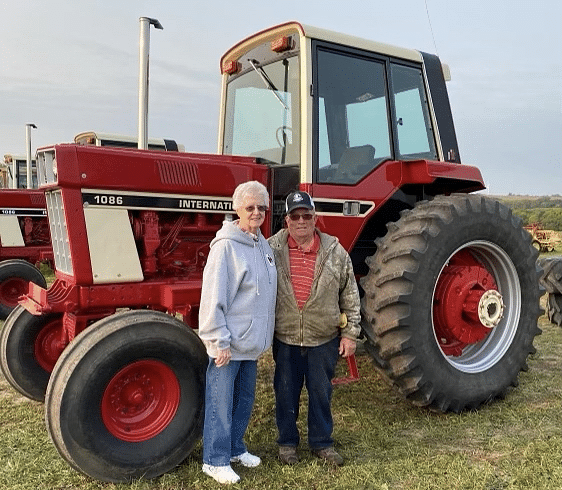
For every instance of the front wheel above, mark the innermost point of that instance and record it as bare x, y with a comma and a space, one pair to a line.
29, 348
452, 301
15, 276
126, 398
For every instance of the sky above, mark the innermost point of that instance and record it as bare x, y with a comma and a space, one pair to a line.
69, 67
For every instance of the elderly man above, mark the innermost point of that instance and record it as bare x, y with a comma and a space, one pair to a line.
316, 318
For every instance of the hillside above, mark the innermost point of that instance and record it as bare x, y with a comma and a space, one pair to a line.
546, 210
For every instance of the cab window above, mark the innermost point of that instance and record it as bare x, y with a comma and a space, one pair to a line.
414, 129
353, 127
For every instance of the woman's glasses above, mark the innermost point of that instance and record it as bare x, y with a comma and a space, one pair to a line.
261, 209
305, 217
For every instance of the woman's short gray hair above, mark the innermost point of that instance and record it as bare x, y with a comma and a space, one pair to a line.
252, 188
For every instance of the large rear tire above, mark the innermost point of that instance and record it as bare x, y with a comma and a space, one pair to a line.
451, 302
551, 281
29, 348
554, 308
126, 398
551, 275
15, 276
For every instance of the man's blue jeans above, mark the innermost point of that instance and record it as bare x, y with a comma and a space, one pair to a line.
229, 399
315, 367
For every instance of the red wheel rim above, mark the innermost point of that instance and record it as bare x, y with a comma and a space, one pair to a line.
461, 285
140, 401
11, 289
49, 344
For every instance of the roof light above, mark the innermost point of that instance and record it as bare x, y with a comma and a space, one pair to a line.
231, 67
283, 43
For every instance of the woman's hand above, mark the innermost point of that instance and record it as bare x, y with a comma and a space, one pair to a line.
223, 357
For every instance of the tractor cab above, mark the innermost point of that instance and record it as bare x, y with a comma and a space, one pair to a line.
334, 114
13, 172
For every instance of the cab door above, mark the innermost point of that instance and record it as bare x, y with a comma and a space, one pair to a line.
369, 110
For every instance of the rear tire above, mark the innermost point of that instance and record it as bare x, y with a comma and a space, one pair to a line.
555, 308
551, 276
29, 348
126, 398
15, 276
432, 254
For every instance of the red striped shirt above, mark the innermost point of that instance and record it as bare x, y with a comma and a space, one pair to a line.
302, 263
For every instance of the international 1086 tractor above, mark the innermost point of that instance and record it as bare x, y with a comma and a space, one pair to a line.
25, 241
449, 283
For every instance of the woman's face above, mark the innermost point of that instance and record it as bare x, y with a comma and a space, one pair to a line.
251, 213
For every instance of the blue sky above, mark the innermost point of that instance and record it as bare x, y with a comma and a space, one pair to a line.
70, 67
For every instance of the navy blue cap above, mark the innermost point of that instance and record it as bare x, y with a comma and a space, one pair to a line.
298, 199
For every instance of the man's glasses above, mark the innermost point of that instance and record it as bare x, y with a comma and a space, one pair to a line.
261, 209
305, 217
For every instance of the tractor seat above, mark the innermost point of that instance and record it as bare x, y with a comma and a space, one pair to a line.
354, 163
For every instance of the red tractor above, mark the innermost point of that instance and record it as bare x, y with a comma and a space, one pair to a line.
449, 283
24, 234
25, 241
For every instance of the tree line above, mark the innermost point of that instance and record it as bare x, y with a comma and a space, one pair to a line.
546, 210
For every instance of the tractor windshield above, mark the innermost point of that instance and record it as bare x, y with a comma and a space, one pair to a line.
262, 112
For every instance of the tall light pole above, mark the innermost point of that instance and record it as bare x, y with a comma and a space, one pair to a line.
144, 48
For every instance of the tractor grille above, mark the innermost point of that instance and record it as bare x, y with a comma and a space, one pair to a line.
182, 173
59, 233
45, 165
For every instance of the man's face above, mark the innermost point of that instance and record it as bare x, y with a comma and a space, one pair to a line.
301, 223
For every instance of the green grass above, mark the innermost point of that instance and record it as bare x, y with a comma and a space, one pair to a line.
515, 443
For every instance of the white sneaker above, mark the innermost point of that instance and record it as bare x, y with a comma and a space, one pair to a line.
246, 459
222, 474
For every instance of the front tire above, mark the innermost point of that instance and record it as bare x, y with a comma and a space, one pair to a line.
452, 301
15, 276
126, 398
29, 348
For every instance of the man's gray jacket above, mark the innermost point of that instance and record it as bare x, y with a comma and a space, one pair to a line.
334, 291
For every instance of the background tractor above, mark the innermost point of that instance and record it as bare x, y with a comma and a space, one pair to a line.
449, 282
543, 240
25, 242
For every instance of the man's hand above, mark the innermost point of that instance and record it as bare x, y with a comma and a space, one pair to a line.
347, 347
223, 357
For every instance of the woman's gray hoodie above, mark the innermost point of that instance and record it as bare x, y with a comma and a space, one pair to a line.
237, 308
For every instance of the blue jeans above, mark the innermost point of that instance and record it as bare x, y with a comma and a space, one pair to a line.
315, 367
229, 398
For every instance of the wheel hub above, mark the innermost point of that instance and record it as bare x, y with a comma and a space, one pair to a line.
12, 289
49, 344
490, 308
140, 401
467, 304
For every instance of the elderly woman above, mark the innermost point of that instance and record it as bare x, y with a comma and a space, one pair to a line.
236, 320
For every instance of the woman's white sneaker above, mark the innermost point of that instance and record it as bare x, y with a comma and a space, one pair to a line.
246, 459
222, 474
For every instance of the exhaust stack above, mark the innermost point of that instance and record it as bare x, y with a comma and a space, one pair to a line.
28, 146
144, 48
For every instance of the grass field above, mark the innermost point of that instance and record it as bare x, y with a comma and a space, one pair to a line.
515, 443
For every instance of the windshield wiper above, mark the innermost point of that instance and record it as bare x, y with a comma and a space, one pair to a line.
268, 83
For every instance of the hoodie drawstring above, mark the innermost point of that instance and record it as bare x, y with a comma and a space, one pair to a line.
256, 268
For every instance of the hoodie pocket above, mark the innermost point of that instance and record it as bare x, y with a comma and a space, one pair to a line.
246, 338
